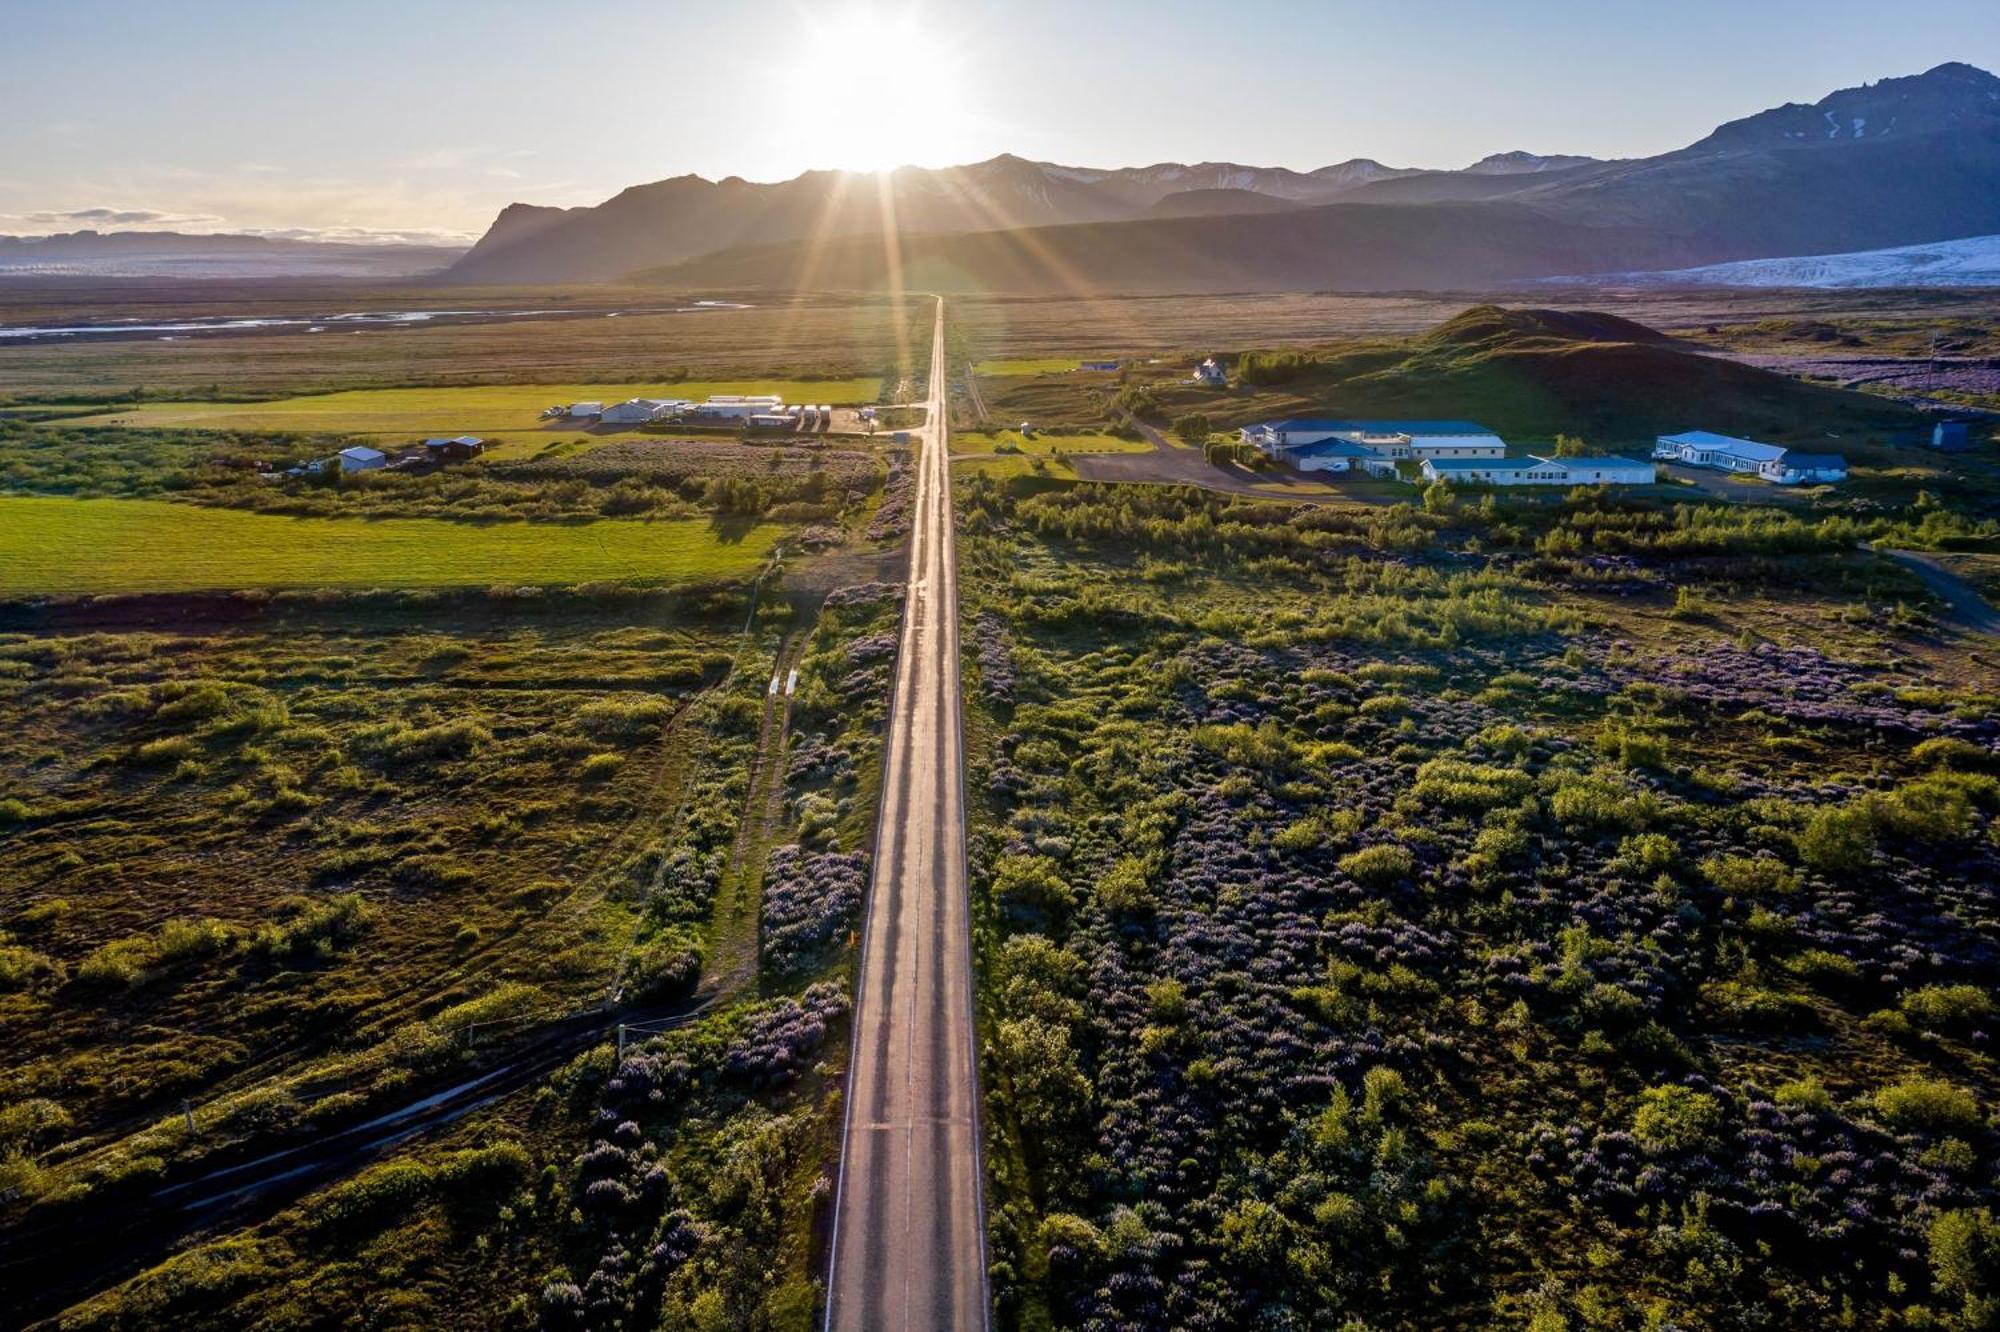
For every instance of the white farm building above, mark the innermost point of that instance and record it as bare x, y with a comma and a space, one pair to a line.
737, 407
360, 458
1540, 471
1726, 453
637, 411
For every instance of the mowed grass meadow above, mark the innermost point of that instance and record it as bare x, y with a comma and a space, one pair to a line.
413, 413
1043, 444
100, 546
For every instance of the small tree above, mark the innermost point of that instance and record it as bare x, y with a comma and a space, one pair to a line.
1194, 428
1571, 446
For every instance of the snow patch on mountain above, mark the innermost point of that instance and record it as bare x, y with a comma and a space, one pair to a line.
1971, 262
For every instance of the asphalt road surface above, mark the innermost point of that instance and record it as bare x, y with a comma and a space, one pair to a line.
908, 1247
1963, 604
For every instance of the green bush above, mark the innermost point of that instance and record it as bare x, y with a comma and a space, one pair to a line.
1838, 840
395, 742
625, 716
1673, 1118
27, 1125
1750, 876
1583, 804
1803, 1094
23, 968
370, 1201
1965, 1263
1927, 1103
599, 768
1378, 866
1948, 1007
306, 929
664, 968
142, 957
1031, 885
1124, 890
1457, 784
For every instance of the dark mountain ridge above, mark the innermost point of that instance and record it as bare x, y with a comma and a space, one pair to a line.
1924, 165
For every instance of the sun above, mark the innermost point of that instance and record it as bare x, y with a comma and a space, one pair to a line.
875, 87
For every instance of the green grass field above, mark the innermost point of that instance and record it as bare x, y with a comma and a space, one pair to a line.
1042, 445
485, 410
109, 546
1047, 365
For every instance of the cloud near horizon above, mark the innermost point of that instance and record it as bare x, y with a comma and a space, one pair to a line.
121, 217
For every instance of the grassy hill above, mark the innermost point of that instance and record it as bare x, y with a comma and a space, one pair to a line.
1531, 374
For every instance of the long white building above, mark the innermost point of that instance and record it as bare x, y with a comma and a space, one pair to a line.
1534, 471
639, 410
1727, 453
737, 407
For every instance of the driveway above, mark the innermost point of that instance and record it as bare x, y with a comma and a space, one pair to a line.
1175, 464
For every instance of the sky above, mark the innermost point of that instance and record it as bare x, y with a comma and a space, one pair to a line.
420, 119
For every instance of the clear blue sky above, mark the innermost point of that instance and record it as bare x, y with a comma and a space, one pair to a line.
425, 116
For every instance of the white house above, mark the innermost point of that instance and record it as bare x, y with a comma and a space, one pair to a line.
1726, 453
1723, 453
577, 410
1385, 439
1796, 468
1210, 374
362, 459
1534, 471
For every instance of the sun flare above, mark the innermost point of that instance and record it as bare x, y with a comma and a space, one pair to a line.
871, 88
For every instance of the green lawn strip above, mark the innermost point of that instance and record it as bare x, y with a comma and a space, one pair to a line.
50, 545
1045, 365
1041, 444
485, 409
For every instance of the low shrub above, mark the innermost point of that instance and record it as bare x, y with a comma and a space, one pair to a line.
1378, 866
1927, 1103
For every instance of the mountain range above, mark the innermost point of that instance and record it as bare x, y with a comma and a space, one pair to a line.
1899, 162
175, 254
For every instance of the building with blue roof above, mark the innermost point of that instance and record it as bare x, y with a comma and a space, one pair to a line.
1726, 453
1331, 455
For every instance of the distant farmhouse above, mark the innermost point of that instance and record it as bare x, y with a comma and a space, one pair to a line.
1726, 453
459, 448
1210, 374
1538, 471
1098, 365
360, 458
1314, 445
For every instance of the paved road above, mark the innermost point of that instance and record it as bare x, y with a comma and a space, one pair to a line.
908, 1246
1963, 604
